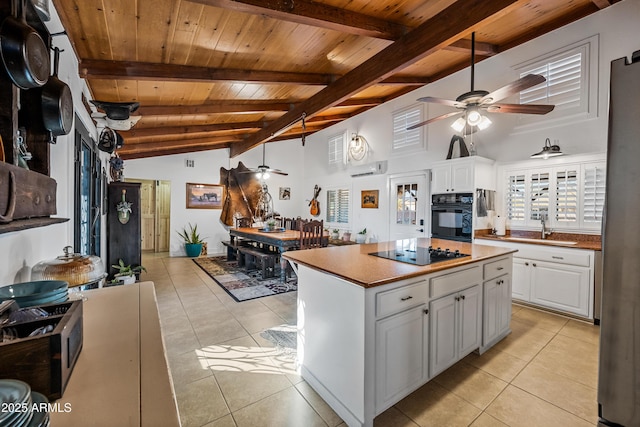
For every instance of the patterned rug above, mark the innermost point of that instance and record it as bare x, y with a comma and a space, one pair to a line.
241, 284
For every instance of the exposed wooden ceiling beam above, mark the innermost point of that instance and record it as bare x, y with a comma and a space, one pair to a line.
315, 14
129, 155
181, 130
249, 106
137, 133
152, 148
447, 26
333, 18
130, 70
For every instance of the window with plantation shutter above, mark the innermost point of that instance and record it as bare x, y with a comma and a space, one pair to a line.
516, 197
567, 195
403, 139
336, 149
539, 199
571, 75
594, 180
338, 206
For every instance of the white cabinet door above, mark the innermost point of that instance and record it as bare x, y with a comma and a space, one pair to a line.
442, 336
497, 308
521, 279
441, 179
469, 320
560, 286
504, 304
462, 177
401, 355
456, 322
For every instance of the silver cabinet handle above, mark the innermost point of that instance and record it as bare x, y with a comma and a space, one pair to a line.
557, 257
500, 268
426, 311
457, 298
462, 297
406, 298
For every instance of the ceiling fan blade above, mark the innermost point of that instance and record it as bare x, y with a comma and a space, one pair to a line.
442, 101
520, 108
512, 88
278, 172
426, 122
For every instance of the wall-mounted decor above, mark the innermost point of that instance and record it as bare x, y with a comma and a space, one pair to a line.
285, 193
124, 208
204, 196
369, 199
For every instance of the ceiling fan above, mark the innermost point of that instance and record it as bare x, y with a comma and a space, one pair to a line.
263, 170
474, 102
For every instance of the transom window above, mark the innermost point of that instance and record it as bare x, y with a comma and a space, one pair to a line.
403, 139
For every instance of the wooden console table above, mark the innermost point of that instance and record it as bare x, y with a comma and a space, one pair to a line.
121, 377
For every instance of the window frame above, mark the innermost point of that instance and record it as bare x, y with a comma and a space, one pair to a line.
333, 224
588, 108
421, 144
333, 141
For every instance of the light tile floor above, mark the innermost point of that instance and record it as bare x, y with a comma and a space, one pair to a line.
226, 374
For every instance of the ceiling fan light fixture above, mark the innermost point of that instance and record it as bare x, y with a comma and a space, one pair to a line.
459, 124
548, 151
485, 122
474, 117
265, 175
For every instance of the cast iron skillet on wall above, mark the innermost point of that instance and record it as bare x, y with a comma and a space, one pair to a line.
24, 54
57, 103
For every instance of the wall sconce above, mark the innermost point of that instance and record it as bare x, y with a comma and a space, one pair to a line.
358, 147
548, 151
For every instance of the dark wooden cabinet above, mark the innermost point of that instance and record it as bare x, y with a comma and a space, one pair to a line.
124, 241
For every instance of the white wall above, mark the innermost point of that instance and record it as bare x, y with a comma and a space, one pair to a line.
618, 36
286, 156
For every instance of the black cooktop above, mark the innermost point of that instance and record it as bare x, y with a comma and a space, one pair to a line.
420, 256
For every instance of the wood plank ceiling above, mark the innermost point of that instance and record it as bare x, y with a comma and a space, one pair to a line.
236, 73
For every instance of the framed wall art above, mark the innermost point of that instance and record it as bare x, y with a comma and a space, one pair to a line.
204, 196
285, 193
369, 199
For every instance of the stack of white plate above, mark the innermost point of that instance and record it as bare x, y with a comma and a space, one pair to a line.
20, 406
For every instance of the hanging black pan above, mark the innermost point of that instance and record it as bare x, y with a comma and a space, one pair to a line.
24, 53
57, 103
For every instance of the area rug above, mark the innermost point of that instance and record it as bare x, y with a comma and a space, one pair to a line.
241, 284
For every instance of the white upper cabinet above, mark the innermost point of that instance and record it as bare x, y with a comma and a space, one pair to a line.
462, 175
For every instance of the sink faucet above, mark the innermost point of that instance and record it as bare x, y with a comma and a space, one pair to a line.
545, 232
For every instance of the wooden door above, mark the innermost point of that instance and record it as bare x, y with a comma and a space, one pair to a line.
408, 204
148, 213
163, 215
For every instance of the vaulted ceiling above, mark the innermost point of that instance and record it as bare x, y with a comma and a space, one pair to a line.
233, 74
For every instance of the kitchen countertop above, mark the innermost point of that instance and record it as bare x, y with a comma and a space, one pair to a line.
584, 241
353, 262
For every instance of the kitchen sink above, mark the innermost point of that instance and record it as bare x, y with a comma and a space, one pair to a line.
547, 241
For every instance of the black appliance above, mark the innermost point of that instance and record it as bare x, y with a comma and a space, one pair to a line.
452, 216
419, 255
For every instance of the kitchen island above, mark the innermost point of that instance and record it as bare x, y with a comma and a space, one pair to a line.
372, 330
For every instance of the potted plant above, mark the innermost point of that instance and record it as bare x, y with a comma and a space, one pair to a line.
361, 236
270, 225
127, 274
192, 240
335, 234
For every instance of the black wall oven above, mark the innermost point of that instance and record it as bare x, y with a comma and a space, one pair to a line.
452, 216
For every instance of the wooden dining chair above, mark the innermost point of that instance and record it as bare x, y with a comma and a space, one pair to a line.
312, 234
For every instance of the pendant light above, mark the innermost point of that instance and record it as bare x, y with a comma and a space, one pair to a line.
548, 151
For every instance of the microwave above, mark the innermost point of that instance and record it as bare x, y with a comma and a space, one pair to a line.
452, 216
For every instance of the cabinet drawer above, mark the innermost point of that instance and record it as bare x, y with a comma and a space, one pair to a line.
396, 300
496, 268
453, 282
570, 256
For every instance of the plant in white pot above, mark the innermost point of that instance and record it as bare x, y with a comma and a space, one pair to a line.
192, 240
127, 274
361, 237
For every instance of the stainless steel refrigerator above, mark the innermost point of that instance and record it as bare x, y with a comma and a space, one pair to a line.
619, 373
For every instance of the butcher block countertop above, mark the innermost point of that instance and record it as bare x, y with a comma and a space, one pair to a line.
353, 262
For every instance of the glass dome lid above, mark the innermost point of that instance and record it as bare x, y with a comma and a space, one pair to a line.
74, 268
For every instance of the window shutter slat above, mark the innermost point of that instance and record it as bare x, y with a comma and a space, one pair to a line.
403, 138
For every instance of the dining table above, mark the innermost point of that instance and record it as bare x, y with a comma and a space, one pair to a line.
280, 238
